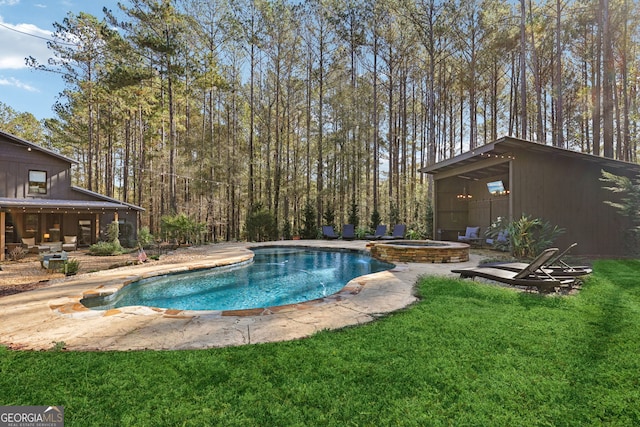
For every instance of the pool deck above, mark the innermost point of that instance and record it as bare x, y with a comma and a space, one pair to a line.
41, 318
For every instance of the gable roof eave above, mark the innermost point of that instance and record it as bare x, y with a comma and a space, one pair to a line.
99, 196
32, 146
507, 144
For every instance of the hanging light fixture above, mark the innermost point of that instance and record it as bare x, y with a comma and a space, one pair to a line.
464, 195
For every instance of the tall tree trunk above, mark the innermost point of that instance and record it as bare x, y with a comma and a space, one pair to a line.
558, 89
608, 82
523, 70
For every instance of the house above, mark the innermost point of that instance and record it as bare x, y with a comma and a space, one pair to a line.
512, 177
39, 204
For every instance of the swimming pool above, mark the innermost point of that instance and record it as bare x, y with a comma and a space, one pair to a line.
277, 276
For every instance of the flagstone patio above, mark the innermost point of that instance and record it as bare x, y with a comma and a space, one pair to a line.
42, 318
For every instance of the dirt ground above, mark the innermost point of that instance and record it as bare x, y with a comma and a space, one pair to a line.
27, 273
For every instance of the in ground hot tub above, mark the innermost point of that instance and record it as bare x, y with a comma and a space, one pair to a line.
419, 251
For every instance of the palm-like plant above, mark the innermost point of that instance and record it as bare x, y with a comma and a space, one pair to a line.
529, 236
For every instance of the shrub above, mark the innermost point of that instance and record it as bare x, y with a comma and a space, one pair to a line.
181, 229
145, 238
105, 249
530, 236
17, 253
628, 205
71, 266
500, 227
361, 232
261, 225
414, 233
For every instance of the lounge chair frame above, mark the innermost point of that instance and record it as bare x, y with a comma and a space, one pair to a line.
530, 276
555, 267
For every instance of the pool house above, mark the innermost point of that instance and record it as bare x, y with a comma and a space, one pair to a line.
512, 177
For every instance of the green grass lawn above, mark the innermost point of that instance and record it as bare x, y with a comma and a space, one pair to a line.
466, 354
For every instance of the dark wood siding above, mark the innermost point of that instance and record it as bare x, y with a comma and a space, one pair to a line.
15, 163
568, 192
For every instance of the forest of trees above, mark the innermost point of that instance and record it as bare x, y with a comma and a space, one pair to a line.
216, 108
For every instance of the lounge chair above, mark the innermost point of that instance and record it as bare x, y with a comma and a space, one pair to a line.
397, 233
328, 232
532, 275
555, 267
381, 230
348, 232
471, 235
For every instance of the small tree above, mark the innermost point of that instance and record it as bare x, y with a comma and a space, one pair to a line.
329, 217
429, 220
375, 219
286, 230
394, 214
113, 233
309, 229
353, 215
261, 225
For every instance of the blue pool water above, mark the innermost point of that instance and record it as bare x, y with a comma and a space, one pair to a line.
278, 276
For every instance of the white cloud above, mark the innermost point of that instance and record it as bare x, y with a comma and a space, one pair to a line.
20, 41
9, 2
12, 81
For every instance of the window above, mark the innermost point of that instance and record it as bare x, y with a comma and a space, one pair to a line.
37, 182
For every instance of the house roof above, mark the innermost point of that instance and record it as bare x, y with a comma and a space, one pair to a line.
493, 159
31, 146
52, 204
106, 199
102, 203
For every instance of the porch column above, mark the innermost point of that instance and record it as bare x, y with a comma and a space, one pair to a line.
3, 237
96, 236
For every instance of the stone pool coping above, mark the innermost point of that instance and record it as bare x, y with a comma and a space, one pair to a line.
41, 318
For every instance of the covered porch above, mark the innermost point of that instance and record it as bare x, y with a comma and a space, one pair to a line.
43, 225
471, 192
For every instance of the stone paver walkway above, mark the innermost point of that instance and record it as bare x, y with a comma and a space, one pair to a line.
39, 319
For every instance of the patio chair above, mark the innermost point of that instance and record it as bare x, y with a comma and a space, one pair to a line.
555, 267
471, 235
531, 276
501, 239
328, 233
70, 243
397, 233
381, 230
348, 232
29, 243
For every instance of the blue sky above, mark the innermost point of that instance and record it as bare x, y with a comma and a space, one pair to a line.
22, 88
